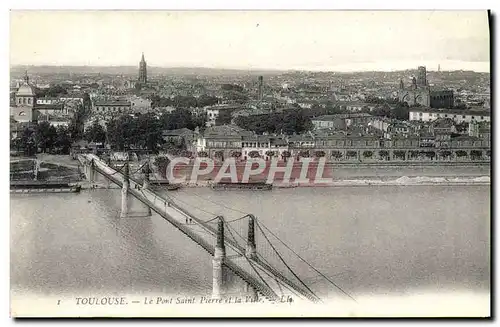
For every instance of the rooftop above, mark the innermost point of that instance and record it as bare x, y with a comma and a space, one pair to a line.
452, 111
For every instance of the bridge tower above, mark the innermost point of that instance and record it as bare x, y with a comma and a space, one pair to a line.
219, 273
91, 171
143, 210
251, 253
125, 188
251, 249
146, 184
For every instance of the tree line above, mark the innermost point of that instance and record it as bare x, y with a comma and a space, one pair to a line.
294, 121
142, 131
179, 101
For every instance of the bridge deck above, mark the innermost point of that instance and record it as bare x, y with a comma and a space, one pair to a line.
267, 280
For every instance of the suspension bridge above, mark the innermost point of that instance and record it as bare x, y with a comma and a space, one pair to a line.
240, 267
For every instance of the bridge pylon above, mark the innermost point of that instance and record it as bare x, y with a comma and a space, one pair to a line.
146, 183
91, 171
143, 209
219, 271
251, 248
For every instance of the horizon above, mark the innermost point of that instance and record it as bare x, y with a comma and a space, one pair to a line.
343, 41
259, 69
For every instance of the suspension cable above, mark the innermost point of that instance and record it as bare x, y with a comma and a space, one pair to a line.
283, 260
217, 203
246, 258
232, 221
316, 270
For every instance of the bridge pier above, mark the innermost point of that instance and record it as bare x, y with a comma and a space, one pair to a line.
146, 183
251, 293
219, 273
142, 209
91, 171
251, 249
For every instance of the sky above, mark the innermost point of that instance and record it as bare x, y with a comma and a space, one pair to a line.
306, 40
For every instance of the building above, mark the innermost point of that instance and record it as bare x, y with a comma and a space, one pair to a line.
340, 121
459, 116
143, 73
138, 104
420, 93
47, 100
255, 146
26, 94
181, 136
214, 111
261, 88
27, 108
111, 107
355, 106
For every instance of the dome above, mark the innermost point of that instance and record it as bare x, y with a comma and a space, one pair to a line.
26, 90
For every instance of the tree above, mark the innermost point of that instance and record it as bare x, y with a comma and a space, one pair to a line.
207, 100
367, 154
54, 91
414, 154
180, 118
236, 154
223, 118
202, 154
270, 153
254, 154
384, 154
286, 154
400, 112
461, 153
476, 154
161, 163
399, 154
445, 153
290, 122
95, 133
120, 132
351, 154
148, 131
320, 154
219, 154
430, 154
63, 140
45, 136
304, 154
337, 154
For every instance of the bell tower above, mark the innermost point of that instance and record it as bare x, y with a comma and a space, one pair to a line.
143, 74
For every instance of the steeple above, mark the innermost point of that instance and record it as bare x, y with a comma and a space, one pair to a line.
26, 77
143, 75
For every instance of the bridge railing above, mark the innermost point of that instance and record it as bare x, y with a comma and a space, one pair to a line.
150, 197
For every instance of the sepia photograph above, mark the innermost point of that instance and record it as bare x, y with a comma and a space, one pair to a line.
251, 163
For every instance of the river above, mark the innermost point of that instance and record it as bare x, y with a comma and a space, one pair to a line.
368, 239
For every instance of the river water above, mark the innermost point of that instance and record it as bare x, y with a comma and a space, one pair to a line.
368, 239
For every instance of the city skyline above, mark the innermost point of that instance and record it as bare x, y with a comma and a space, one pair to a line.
342, 41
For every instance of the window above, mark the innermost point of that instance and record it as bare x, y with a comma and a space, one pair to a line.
420, 114
482, 117
22, 113
463, 117
473, 117
446, 115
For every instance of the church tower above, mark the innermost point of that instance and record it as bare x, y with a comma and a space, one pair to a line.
143, 74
